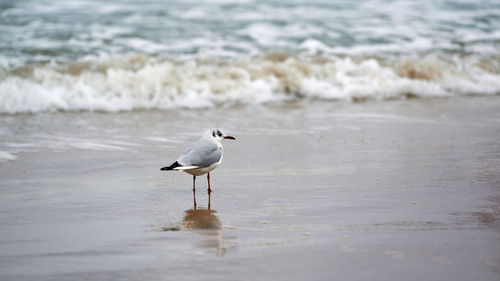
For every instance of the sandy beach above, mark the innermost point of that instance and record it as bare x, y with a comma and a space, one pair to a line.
367, 140
393, 190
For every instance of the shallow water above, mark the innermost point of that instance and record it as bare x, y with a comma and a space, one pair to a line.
309, 190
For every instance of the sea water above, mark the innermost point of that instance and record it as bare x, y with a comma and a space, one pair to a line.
125, 55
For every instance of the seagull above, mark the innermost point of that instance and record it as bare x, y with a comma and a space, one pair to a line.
201, 158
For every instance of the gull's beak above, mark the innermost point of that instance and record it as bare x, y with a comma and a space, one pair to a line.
229, 137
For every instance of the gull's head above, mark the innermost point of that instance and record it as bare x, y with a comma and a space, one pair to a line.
218, 134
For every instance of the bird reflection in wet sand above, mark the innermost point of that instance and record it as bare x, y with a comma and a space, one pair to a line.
208, 224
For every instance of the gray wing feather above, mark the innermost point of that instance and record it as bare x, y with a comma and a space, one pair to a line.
202, 153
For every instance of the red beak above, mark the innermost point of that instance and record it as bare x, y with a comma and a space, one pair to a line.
229, 137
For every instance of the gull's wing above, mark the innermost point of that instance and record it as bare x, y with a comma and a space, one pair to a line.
200, 154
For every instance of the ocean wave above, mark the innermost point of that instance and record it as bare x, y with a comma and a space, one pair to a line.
141, 81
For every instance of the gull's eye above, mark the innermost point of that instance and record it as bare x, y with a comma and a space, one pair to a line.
219, 133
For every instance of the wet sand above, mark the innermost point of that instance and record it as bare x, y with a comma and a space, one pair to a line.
393, 190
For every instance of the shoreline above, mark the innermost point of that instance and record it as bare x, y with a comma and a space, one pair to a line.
375, 190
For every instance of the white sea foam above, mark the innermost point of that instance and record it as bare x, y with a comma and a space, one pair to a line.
60, 143
144, 82
6, 156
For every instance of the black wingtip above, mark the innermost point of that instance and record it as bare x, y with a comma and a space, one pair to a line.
171, 167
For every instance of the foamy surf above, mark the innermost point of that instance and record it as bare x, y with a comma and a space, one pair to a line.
122, 83
6, 156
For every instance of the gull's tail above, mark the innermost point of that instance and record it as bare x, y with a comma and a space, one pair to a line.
171, 167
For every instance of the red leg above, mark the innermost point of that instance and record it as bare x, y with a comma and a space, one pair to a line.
208, 179
209, 189
194, 192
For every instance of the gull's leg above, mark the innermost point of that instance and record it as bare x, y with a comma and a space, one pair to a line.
194, 192
208, 179
209, 190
